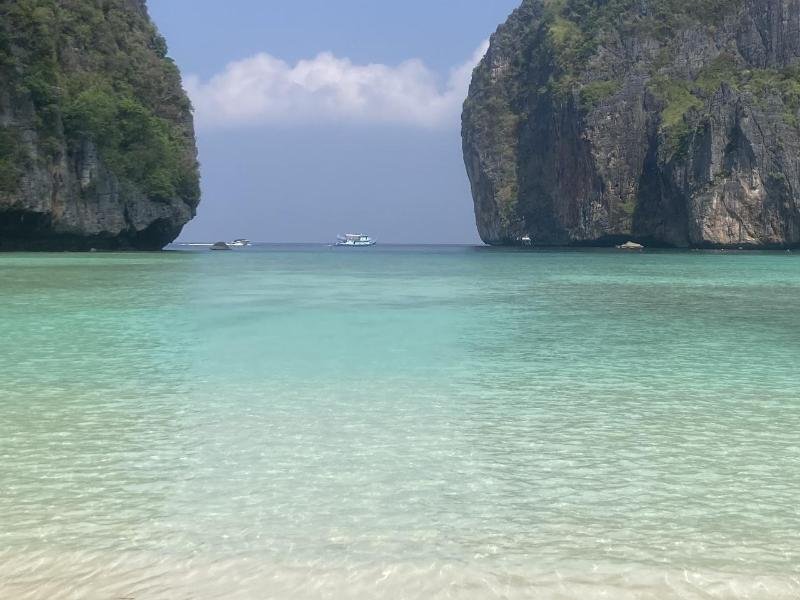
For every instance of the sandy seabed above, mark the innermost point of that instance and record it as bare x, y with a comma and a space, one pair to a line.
133, 576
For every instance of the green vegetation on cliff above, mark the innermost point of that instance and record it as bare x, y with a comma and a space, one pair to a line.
594, 121
12, 159
97, 70
683, 97
570, 32
578, 27
588, 21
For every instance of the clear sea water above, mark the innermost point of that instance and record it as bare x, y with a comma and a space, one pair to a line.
400, 423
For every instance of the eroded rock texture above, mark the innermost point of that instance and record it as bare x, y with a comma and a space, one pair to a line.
97, 144
670, 122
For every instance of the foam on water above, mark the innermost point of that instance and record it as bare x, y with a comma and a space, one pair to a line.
399, 423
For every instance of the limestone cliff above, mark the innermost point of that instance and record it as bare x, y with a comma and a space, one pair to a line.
97, 144
671, 122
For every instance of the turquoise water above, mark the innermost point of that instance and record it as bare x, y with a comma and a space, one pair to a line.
416, 423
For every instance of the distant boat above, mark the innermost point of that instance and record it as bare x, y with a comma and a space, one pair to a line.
355, 240
630, 246
220, 246
240, 243
526, 240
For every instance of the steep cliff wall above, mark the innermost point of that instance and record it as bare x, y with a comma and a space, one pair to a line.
97, 142
672, 122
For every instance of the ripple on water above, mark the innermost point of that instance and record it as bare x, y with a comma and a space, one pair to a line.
476, 425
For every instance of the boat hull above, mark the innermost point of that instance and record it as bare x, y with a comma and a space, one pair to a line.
354, 240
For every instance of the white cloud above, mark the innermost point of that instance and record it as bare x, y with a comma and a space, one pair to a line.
263, 89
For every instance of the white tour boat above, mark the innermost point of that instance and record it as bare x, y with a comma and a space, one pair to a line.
355, 239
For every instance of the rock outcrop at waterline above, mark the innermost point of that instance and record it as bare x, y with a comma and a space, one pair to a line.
670, 122
97, 145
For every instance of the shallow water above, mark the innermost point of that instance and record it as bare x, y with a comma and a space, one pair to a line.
308, 423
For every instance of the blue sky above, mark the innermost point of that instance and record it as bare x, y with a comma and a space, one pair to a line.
326, 117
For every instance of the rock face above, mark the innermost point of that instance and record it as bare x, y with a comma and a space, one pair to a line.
669, 122
97, 144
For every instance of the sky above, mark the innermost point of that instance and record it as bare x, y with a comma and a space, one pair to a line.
325, 117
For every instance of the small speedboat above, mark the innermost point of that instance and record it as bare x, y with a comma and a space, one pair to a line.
630, 246
240, 243
355, 240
